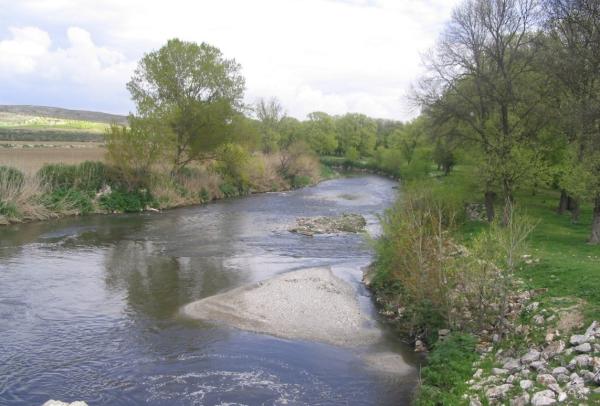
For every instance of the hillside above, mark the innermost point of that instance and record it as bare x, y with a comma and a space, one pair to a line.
53, 124
67, 114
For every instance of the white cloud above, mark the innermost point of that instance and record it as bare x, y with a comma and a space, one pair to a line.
22, 52
331, 55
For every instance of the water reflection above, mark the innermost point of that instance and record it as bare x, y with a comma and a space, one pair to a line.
89, 306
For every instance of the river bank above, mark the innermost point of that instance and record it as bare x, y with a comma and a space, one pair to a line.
60, 190
511, 323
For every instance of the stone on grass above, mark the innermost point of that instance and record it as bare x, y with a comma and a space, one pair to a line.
525, 384
531, 356
522, 400
583, 348
498, 392
545, 379
543, 398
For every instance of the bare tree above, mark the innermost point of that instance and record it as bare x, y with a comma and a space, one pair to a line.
483, 77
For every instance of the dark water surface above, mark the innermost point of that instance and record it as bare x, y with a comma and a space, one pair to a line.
89, 306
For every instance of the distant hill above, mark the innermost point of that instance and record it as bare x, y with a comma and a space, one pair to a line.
67, 114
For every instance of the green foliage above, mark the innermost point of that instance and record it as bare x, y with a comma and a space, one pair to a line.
233, 160
301, 181
229, 189
133, 151
68, 199
358, 132
127, 202
320, 133
10, 178
9, 210
192, 94
87, 176
448, 368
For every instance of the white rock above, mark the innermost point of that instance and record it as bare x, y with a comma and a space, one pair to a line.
562, 397
498, 392
53, 402
525, 384
478, 373
560, 370
581, 361
583, 348
543, 398
553, 349
474, 402
546, 379
531, 356
522, 400
512, 364
538, 319
578, 339
499, 371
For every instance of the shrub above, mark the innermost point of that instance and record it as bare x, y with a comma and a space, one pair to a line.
87, 176
124, 201
10, 178
9, 210
449, 367
229, 190
58, 176
69, 200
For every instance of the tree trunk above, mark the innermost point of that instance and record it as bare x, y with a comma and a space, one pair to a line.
489, 205
595, 237
563, 203
575, 210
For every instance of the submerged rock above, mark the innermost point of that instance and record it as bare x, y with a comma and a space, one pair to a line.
53, 402
347, 223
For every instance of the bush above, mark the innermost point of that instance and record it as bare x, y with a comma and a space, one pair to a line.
9, 210
66, 200
87, 176
10, 178
58, 176
127, 202
229, 190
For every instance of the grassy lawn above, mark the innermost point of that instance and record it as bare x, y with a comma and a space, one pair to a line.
568, 265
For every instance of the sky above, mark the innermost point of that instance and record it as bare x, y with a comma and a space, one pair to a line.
335, 56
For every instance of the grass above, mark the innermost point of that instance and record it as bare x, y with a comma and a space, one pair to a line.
567, 266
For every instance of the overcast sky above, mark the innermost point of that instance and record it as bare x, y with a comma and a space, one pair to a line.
335, 56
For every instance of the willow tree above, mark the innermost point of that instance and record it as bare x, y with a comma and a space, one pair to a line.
194, 92
483, 78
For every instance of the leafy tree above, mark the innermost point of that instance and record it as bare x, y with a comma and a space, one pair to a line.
574, 29
194, 92
356, 131
320, 133
270, 113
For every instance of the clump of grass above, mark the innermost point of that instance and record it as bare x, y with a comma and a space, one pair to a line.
449, 366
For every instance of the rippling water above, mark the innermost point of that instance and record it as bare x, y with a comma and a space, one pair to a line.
89, 306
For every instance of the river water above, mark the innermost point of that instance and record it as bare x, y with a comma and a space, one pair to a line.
89, 307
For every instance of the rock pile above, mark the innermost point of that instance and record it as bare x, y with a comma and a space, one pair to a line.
347, 223
557, 371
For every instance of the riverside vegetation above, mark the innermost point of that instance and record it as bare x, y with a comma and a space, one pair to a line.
489, 260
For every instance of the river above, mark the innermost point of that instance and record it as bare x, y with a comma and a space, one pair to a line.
89, 307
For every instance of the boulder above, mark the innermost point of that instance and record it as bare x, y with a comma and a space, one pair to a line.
553, 349
522, 400
525, 384
511, 365
498, 392
531, 356
543, 398
545, 379
583, 348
